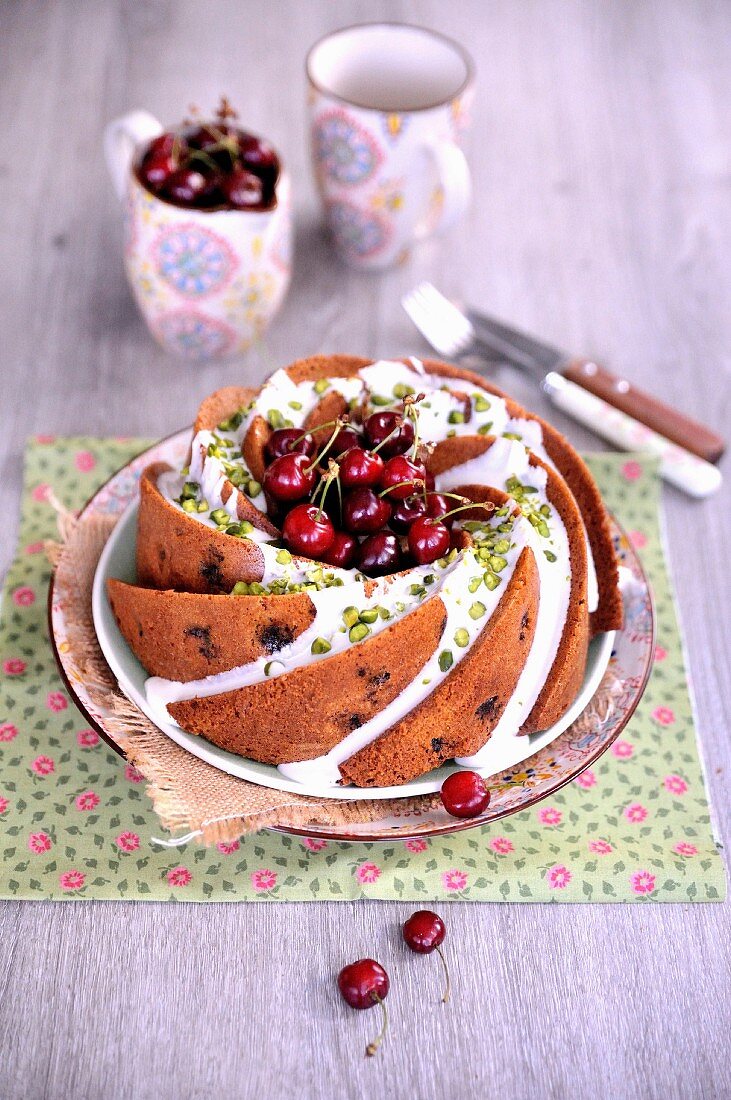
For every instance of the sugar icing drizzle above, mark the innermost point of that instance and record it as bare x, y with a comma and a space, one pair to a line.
469, 582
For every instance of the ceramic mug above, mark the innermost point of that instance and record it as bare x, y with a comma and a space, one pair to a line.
389, 106
207, 282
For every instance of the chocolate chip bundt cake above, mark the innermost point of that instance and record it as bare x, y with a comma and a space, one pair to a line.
366, 569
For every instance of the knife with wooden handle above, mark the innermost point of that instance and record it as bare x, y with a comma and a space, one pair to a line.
539, 357
661, 418
679, 466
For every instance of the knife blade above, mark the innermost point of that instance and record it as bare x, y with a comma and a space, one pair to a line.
541, 358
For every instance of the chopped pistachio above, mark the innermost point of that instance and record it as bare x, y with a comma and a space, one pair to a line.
550, 555
350, 616
190, 490
485, 429
202, 506
481, 403
220, 515
188, 505
474, 584
455, 417
446, 660
358, 632
368, 615
253, 488
320, 645
477, 610
461, 637
401, 389
512, 435
491, 581
275, 418
283, 557
498, 563
296, 405
241, 588
321, 385
384, 613
380, 400
232, 423
451, 433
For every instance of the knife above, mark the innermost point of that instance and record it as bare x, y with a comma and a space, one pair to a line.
538, 356
452, 332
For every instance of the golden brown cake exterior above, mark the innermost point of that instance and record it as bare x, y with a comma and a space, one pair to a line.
459, 715
304, 713
187, 636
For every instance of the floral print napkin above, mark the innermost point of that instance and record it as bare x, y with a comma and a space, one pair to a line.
75, 822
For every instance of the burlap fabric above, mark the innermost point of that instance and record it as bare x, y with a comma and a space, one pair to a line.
188, 795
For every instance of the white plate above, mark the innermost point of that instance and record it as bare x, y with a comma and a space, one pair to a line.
118, 560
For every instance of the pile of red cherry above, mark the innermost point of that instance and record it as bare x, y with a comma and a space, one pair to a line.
211, 165
373, 507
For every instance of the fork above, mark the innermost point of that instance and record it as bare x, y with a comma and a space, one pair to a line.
452, 334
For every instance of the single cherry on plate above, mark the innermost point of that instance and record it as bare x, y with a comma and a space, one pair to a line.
401, 477
364, 984
284, 441
290, 477
379, 554
342, 551
364, 512
308, 530
428, 540
390, 432
465, 794
360, 467
424, 932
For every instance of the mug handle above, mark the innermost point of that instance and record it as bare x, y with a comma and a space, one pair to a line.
455, 180
121, 139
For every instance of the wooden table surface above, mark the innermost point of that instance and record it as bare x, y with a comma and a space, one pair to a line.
602, 166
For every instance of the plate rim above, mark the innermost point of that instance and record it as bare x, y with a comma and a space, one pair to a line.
334, 833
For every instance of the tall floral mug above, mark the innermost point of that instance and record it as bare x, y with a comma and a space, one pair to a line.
390, 104
207, 282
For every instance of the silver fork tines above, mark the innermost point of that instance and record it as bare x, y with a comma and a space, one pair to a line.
447, 329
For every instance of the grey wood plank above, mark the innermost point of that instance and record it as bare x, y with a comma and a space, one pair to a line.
603, 174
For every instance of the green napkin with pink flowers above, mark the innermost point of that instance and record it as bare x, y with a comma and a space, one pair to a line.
75, 822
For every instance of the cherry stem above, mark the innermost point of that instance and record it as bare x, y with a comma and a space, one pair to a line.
412, 412
448, 984
333, 470
463, 508
339, 423
417, 482
373, 1047
391, 434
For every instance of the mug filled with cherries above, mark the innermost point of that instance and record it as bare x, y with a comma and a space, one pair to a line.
207, 209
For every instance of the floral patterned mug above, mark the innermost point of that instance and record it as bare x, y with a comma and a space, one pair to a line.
389, 105
207, 282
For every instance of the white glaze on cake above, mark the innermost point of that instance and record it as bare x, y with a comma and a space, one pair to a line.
506, 458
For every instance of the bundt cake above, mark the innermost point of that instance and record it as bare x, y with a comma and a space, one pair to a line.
367, 569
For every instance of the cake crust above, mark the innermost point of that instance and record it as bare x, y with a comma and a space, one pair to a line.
304, 713
187, 636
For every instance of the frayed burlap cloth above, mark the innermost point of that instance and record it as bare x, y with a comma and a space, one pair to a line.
186, 793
